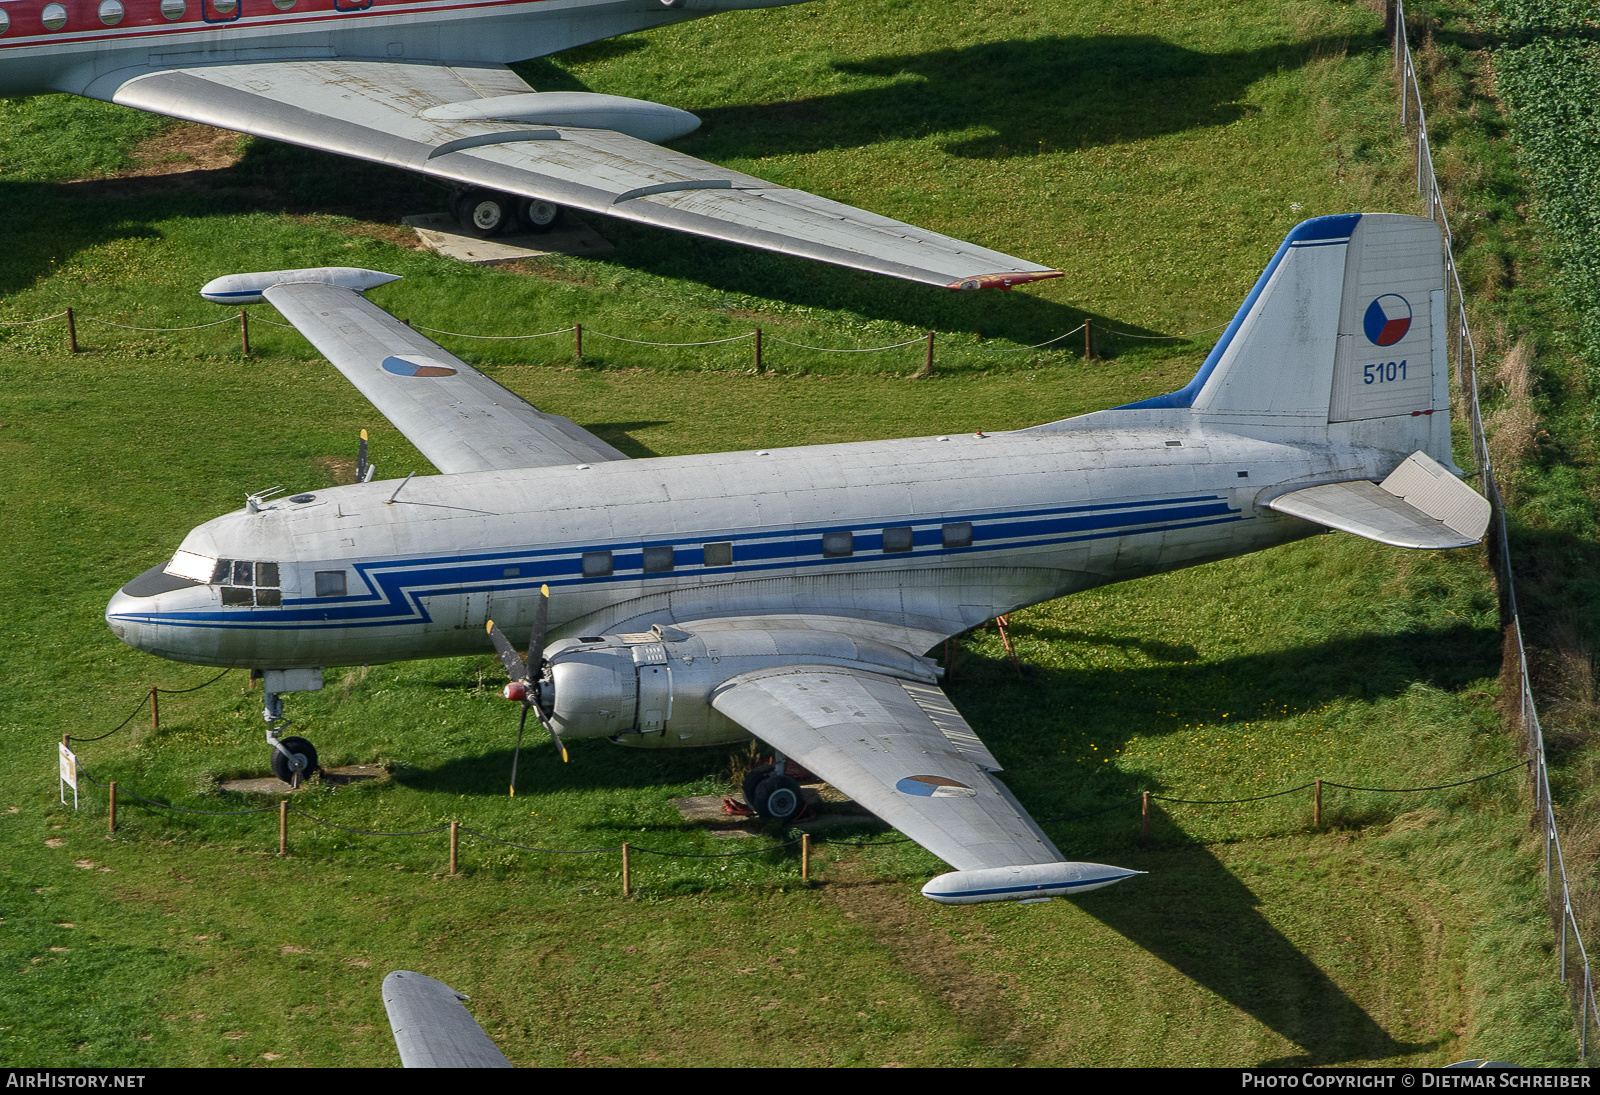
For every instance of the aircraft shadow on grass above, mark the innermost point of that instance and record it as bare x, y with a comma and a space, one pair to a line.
1193, 913
46, 224
1037, 95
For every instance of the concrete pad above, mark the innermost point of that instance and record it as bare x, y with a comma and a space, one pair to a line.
440, 232
830, 810
337, 777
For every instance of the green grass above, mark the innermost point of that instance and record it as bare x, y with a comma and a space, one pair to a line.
1170, 144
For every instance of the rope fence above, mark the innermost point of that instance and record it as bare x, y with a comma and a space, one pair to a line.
1088, 328
804, 841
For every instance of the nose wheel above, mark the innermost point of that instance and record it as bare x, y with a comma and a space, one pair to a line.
293, 760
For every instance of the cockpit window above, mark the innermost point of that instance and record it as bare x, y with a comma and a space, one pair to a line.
247, 582
196, 568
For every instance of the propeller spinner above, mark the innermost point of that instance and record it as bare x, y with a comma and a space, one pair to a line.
525, 674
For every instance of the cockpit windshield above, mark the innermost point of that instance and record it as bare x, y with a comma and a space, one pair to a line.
243, 581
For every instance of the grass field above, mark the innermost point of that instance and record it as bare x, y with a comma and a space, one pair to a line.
1158, 153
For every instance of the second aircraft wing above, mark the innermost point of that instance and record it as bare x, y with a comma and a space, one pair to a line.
375, 110
455, 416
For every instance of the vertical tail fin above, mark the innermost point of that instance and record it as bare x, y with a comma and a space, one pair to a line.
1344, 332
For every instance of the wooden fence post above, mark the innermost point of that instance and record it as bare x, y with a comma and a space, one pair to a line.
805, 857
455, 843
155, 708
1144, 820
244, 331
112, 825
283, 827
577, 342
72, 333
760, 368
1316, 807
627, 874
1088, 341
927, 363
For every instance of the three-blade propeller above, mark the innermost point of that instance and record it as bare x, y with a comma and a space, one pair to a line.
525, 674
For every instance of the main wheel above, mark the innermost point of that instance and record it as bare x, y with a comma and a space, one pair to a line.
539, 216
484, 213
778, 797
299, 747
752, 780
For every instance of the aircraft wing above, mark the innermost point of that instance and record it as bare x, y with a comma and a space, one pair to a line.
455, 416
373, 110
900, 749
431, 1028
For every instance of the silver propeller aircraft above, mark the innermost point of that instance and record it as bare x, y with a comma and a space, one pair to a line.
789, 594
422, 85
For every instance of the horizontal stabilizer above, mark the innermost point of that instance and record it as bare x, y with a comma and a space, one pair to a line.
247, 288
432, 1029
1420, 505
1034, 880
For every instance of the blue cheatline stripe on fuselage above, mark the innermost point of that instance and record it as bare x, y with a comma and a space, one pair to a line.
1032, 887
401, 584
1316, 232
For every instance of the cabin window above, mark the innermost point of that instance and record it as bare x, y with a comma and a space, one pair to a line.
897, 539
836, 545
511, 572
5, 21
596, 564
54, 16
173, 9
110, 12
958, 534
331, 583
657, 560
719, 554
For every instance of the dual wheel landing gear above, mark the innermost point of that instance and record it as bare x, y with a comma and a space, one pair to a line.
486, 213
772, 794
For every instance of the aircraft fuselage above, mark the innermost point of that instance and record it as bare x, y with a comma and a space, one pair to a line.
68, 45
927, 536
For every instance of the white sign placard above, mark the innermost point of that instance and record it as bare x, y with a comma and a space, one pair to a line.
69, 774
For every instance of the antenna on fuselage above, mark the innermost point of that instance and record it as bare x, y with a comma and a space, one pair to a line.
364, 470
398, 489
252, 502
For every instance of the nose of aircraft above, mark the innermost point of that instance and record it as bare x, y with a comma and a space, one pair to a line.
137, 597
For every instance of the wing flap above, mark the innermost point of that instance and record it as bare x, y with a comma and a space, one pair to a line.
1419, 505
379, 111
456, 417
872, 737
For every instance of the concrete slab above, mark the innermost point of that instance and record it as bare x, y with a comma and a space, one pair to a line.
440, 232
337, 777
829, 808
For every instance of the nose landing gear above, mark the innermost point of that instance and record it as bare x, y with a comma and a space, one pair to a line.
293, 759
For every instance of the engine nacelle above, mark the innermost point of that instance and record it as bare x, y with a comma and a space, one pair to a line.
653, 689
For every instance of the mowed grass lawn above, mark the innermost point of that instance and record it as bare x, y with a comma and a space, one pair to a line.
1157, 152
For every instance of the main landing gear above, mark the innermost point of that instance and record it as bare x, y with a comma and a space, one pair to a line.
772, 793
486, 213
